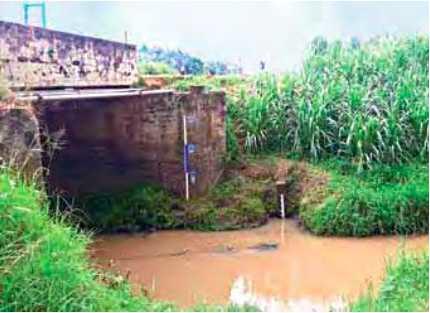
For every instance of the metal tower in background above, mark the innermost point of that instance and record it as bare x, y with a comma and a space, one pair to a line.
28, 5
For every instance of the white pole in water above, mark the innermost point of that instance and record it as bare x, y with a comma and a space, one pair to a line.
282, 206
187, 192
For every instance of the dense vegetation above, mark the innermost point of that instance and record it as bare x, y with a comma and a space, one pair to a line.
44, 264
155, 68
182, 62
368, 104
144, 207
383, 200
404, 288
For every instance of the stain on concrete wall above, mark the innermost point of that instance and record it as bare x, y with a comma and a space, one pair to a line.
110, 145
38, 57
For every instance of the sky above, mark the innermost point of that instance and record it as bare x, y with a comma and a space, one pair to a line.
244, 32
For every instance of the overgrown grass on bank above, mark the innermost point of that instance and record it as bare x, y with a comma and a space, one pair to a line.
44, 264
384, 200
405, 287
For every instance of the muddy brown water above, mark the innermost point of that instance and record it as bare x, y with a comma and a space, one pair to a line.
280, 260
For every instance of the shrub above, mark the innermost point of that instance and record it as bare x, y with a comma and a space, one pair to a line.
404, 288
140, 208
155, 68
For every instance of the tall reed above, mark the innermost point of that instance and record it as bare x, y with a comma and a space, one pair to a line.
366, 103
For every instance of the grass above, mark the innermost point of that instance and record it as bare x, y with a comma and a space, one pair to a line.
44, 264
405, 287
384, 200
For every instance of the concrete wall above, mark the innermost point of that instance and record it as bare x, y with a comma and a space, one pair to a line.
110, 145
38, 57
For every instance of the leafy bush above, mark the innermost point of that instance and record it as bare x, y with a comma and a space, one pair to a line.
367, 103
155, 68
176, 59
44, 264
385, 200
405, 287
140, 208
186, 63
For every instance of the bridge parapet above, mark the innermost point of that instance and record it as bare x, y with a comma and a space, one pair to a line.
34, 57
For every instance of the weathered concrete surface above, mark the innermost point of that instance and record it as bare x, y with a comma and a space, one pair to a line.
38, 57
113, 144
19, 141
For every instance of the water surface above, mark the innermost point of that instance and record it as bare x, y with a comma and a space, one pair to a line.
279, 260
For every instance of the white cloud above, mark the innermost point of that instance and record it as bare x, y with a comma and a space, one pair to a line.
276, 31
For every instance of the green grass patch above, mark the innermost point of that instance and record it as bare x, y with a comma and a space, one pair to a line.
384, 200
405, 287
